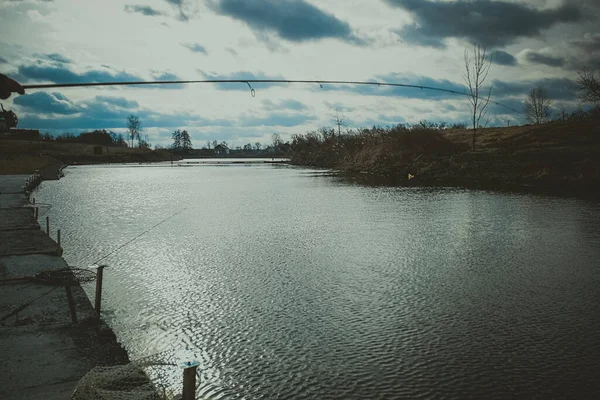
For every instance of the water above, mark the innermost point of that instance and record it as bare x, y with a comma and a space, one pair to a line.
294, 284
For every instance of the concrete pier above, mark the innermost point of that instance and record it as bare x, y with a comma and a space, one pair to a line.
43, 354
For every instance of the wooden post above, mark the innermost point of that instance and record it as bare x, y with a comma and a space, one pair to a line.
58, 240
36, 213
71, 304
33, 201
189, 383
98, 299
48, 225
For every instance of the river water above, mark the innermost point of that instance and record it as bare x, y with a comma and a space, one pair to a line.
291, 283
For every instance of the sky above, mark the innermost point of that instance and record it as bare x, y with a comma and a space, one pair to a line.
532, 43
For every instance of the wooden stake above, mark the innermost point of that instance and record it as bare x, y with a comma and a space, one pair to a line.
189, 383
71, 304
98, 300
48, 225
58, 240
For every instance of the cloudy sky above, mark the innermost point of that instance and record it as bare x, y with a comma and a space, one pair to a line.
536, 42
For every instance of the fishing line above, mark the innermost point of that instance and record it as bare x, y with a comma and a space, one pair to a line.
252, 91
25, 305
138, 236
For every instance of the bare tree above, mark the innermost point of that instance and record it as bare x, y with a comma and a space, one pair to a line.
477, 68
134, 126
277, 142
563, 115
589, 86
257, 145
537, 106
339, 121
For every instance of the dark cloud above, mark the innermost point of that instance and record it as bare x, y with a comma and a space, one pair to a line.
144, 10
166, 76
557, 88
406, 92
62, 74
292, 20
46, 103
503, 58
539, 58
59, 58
507, 107
3, 60
58, 73
195, 47
277, 119
107, 113
184, 13
490, 23
284, 105
242, 75
117, 102
590, 42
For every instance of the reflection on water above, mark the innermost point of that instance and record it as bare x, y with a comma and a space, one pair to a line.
292, 284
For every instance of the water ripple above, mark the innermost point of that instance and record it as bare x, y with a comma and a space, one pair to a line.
289, 284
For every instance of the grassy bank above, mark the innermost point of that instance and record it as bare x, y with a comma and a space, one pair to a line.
559, 157
24, 157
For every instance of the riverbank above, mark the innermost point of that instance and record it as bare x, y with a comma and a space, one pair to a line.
561, 158
25, 157
43, 352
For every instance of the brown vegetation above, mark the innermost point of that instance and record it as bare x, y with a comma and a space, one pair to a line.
24, 157
561, 157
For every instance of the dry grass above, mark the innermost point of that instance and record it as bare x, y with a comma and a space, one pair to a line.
555, 134
556, 156
24, 157
23, 164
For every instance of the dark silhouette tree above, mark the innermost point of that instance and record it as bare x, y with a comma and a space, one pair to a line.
176, 136
134, 128
186, 141
589, 86
477, 68
537, 106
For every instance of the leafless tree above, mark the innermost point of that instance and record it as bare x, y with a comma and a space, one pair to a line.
563, 115
589, 86
134, 126
339, 121
277, 142
477, 68
537, 106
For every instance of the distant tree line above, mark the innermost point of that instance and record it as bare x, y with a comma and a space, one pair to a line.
100, 137
103, 137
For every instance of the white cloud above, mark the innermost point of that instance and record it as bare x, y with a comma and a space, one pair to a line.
93, 34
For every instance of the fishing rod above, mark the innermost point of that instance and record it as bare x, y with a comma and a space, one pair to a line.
252, 91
